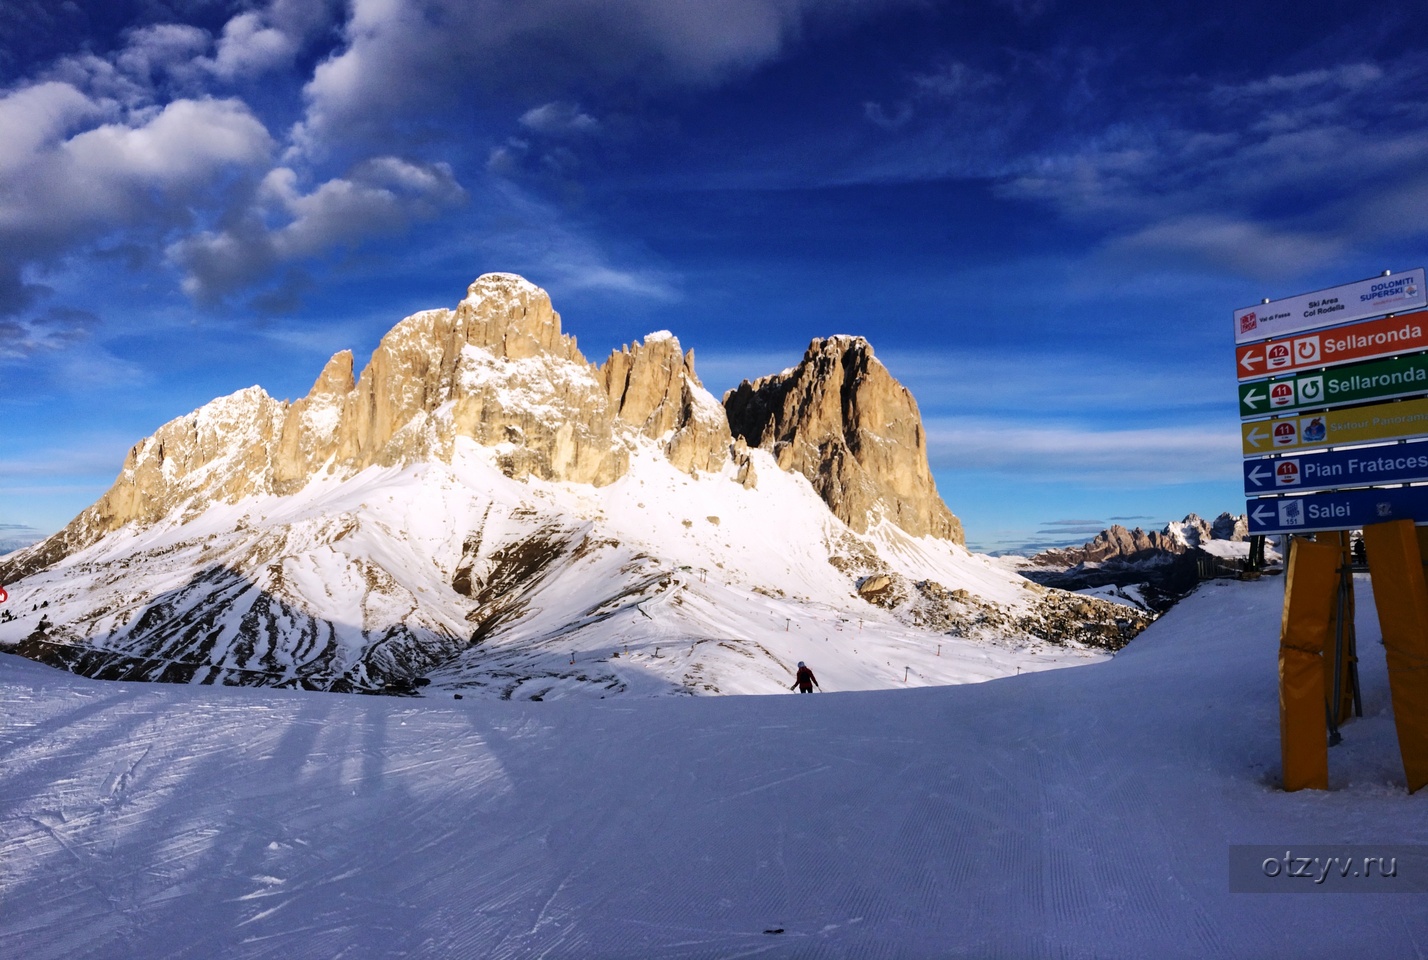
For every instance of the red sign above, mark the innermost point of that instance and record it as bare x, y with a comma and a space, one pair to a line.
3, 595
1388, 337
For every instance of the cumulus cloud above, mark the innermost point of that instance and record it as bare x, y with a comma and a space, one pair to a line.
397, 59
258, 41
66, 179
558, 119
285, 225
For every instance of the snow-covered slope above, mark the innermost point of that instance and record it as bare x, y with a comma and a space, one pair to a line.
661, 582
1070, 813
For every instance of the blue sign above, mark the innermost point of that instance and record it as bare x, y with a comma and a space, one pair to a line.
1335, 469
1342, 510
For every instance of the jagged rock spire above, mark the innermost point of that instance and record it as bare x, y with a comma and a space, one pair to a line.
841, 420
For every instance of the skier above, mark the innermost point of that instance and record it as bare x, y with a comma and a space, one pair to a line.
805, 681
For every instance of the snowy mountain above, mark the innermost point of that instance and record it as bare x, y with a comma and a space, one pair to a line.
1163, 565
483, 510
17, 536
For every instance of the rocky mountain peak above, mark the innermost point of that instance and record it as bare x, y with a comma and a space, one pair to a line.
498, 371
513, 319
652, 387
336, 379
842, 420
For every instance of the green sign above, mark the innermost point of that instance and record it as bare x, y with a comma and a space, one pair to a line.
1396, 420
1341, 386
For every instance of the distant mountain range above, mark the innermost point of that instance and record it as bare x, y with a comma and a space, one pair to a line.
14, 536
483, 510
1169, 562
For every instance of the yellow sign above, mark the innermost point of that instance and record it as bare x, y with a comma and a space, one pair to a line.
1398, 420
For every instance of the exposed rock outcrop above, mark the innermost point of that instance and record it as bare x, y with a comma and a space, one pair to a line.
1163, 565
497, 370
653, 387
840, 419
1117, 543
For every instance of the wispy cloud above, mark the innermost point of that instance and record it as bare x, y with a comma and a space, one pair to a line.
1053, 385
1069, 453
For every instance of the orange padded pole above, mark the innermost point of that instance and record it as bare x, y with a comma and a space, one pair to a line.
1401, 595
1310, 590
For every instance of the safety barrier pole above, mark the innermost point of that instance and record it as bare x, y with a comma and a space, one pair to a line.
1310, 594
1401, 596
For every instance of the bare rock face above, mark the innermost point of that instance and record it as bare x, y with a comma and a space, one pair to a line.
1227, 526
652, 387
497, 370
841, 420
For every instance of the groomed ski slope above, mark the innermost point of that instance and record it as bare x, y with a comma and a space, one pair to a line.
1081, 812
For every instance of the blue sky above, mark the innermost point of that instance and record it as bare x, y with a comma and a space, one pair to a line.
1041, 215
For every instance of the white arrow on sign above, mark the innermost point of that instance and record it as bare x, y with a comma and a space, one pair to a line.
1256, 514
1255, 475
1253, 398
1251, 360
1254, 437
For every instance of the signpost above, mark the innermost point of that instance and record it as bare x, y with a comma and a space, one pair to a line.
1357, 383
1375, 297
1347, 367
1340, 510
1386, 337
1336, 469
1395, 420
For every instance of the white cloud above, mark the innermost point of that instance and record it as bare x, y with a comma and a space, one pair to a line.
284, 225
1238, 245
66, 178
954, 79
165, 48
399, 61
250, 47
895, 119
1170, 454
259, 41
559, 118
54, 329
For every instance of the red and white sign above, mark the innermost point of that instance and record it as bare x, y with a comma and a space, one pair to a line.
1286, 474
3, 595
1286, 434
1388, 337
1374, 297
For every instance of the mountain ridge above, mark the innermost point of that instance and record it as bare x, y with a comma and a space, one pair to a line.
481, 507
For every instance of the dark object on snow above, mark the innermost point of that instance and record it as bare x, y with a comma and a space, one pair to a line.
805, 681
774, 930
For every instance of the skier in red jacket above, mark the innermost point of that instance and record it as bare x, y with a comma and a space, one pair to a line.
805, 681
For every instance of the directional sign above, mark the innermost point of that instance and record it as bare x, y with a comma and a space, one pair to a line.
1358, 383
1336, 469
1387, 337
1395, 420
1328, 308
1341, 510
